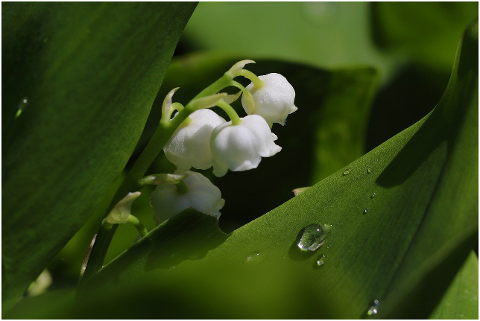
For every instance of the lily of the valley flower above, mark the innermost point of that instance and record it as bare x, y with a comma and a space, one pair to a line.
274, 100
189, 146
198, 193
241, 147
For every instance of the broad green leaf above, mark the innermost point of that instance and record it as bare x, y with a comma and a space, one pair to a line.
79, 80
460, 301
422, 31
404, 219
326, 34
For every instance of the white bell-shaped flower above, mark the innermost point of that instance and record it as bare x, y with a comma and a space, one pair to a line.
189, 146
274, 101
200, 194
241, 147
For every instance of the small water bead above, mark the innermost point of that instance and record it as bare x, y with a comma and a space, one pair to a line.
369, 171
346, 172
253, 258
373, 195
373, 308
313, 236
365, 211
321, 260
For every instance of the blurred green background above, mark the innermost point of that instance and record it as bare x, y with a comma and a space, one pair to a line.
362, 72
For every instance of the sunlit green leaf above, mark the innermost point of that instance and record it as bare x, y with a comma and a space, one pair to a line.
323, 34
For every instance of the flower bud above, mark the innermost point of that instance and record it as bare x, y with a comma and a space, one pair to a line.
274, 101
189, 146
122, 210
241, 147
200, 195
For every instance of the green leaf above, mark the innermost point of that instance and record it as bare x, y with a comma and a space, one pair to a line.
422, 31
79, 80
460, 301
326, 34
420, 227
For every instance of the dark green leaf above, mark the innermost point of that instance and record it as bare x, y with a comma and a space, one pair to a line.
79, 80
422, 31
460, 301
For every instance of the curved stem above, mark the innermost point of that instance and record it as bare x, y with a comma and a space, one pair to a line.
161, 136
131, 183
232, 114
214, 88
136, 222
250, 104
257, 83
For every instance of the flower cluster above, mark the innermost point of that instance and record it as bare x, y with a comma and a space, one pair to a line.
203, 139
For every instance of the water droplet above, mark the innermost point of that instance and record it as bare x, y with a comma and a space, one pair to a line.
373, 195
346, 172
321, 260
253, 258
369, 171
313, 236
365, 211
373, 309
21, 106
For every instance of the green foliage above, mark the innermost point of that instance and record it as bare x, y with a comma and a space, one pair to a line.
90, 73
404, 216
460, 301
333, 34
390, 253
328, 34
405, 250
422, 31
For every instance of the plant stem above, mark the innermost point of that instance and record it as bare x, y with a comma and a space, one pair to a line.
136, 222
131, 182
100, 238
232, 114
257, 83
214, 88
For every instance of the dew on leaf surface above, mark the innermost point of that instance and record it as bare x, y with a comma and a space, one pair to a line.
313, 236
